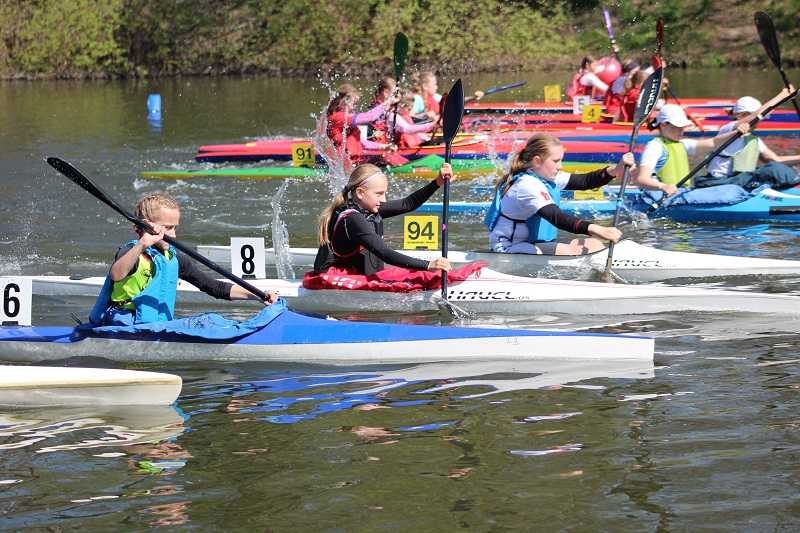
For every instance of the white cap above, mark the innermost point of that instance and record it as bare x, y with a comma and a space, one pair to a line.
673, 114
746, 104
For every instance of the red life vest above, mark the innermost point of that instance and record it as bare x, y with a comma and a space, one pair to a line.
575, 88
378, 131
344, 134
431, 104
628, 107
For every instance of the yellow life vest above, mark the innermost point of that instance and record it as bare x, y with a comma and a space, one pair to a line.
676, 166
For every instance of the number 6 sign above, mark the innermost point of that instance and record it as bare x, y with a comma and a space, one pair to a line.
16, 295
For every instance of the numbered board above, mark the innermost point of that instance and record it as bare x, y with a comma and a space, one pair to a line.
579, 102
248, 258
303, 155
421, 232
552, 94
590, 194
591, 114
17, 296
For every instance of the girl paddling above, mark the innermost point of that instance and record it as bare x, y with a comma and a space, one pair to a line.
525, 215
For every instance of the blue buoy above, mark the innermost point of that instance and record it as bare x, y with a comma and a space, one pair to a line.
154, 107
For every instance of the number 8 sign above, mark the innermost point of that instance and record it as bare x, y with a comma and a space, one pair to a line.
248, 259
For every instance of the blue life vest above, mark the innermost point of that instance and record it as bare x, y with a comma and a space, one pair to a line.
156, 302
539, 229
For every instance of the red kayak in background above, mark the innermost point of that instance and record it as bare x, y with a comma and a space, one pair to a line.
464, 147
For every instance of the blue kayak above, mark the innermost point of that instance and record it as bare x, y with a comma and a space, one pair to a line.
767, 205
278, 334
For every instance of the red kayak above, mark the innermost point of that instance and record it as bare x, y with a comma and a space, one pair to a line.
465, 147
535, 108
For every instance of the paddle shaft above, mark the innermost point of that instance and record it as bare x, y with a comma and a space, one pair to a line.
707, 159
675, 96
494, 90
452, 114
81, 180
659, 35
769, 39
400, 54
648, 97
607, 18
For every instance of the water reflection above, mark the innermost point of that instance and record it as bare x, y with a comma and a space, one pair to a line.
286, 399
57, 429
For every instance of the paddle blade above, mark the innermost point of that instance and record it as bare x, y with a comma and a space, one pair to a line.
400, 54
648, 97
77, 177
453, 112
766, 32
607, 17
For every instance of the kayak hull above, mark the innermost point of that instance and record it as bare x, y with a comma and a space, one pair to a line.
488, 292
296, 338
471, 147
631, 262
766, 206
75, 386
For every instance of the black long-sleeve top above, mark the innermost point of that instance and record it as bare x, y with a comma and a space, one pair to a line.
358, 238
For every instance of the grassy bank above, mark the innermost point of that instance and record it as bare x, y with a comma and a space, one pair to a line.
75, 39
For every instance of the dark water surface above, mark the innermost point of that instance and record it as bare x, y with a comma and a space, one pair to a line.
706, 439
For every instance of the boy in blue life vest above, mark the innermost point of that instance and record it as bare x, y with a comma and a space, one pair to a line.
142, 284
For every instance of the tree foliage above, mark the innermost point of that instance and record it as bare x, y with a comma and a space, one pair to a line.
119, 38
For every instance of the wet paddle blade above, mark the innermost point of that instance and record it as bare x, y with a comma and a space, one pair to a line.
86, 184
400, 54
452, 114
646, 102
766, 32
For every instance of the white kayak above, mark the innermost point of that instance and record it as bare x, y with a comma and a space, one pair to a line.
631, 262
486, 291
75, 386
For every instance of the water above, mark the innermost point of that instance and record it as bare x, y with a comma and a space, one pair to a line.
704, 439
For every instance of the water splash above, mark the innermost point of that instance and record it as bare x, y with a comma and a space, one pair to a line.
280, 237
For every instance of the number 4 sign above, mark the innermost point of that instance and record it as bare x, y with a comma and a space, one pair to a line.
17, 295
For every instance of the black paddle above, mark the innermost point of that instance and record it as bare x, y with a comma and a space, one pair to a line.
707, 159
648, 96
400, 54
451, 121
766, 32
495, 89
76, 176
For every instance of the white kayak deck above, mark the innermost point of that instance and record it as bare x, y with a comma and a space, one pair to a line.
75, 386
487, 292
631, 262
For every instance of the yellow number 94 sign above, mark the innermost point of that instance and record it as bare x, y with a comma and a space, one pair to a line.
421, 232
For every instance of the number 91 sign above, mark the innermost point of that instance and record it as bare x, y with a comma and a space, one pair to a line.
421, 232
16, 305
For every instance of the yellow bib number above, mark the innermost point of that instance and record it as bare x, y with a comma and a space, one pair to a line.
552, 93
303, 155
591, 194
591, 113
420, 232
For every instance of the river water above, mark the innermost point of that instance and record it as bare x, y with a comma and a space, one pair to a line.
705, 439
